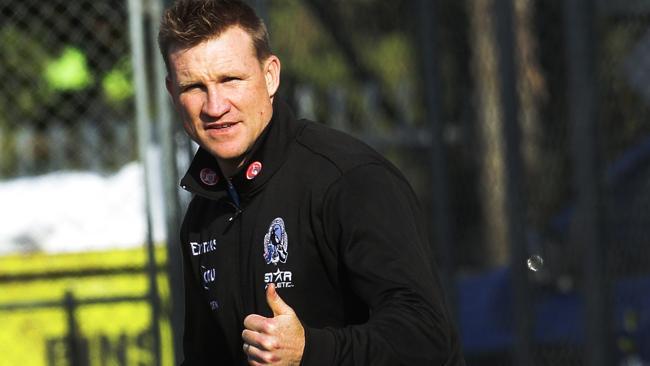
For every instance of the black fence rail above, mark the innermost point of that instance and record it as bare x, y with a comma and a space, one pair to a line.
72, 349
88, 272
521, 124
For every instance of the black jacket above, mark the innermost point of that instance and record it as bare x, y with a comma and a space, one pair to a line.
337, 228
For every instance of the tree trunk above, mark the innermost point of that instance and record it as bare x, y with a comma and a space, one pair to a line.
532, 92
489, 128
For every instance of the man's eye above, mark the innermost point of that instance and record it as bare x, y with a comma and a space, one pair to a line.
190, 87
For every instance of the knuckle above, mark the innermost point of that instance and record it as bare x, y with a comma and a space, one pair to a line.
268, 358
269, 344
270, 327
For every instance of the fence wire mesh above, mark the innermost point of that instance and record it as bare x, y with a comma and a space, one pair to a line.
67, 89
67, 119
66, 102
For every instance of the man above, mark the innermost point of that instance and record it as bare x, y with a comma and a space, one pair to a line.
301, 245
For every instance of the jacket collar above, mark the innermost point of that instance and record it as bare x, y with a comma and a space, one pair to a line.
269, 153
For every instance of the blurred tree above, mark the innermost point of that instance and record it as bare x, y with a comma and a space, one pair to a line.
308, 52
623, 111
488, 121
74, 81
533, 94
25, 91
118, 83
322, 44
69, 72
22, 65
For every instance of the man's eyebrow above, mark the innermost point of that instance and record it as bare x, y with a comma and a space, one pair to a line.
183, 83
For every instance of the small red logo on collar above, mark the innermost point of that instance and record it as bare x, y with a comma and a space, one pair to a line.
253, 170
209, 177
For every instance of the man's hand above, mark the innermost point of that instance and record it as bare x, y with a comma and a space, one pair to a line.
276, 341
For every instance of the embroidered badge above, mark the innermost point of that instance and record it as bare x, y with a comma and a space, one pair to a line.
253, 170
276, 243
209, 177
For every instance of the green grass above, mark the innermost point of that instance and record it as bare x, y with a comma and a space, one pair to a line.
24, 333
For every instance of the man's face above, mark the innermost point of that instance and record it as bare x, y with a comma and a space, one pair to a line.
223, 94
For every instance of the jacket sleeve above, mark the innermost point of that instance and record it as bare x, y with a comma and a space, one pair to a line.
371, 216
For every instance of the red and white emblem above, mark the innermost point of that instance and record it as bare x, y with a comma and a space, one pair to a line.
209, 177
253, 170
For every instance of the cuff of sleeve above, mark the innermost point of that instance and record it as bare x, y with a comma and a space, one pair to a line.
319, 347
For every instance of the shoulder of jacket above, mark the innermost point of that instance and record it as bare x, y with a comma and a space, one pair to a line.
339, 149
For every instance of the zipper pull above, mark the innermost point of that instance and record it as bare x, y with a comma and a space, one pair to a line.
232, 218
238, 211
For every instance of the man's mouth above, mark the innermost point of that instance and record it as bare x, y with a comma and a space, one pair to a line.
220, 126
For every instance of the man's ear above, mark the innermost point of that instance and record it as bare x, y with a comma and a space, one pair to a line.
272, 74
169, 85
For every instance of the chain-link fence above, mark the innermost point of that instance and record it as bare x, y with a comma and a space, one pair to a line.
575, 116
71, 292
540, 109
521, 125
67, 90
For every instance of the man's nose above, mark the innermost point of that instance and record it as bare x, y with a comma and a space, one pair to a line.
216, 103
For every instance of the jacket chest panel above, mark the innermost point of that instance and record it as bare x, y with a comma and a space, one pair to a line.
276, 239
287, 248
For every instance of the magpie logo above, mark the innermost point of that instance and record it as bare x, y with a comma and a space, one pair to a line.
276, 243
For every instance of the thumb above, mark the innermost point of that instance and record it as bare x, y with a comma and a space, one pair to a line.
277, 305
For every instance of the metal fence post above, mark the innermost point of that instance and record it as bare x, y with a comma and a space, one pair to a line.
439, 198
143, 120
585, 229
72, 338
170, 183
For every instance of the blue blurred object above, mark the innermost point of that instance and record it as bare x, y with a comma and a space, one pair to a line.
485, 299
486, 323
